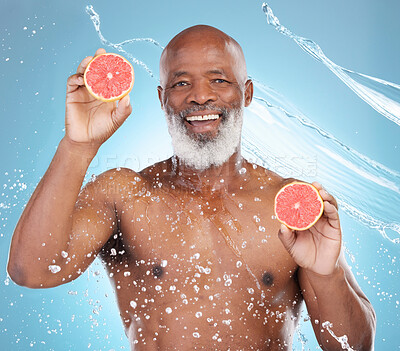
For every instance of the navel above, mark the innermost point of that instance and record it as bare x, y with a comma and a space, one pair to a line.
268, 279
158, 271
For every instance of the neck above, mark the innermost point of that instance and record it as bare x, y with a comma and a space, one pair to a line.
213, 180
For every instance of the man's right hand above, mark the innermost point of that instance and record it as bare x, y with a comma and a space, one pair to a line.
89, 121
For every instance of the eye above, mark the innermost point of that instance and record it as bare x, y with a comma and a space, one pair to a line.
180, 84
220, 80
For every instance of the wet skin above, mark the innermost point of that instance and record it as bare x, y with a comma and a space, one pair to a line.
213, 258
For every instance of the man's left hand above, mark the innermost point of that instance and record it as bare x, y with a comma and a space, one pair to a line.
316, 249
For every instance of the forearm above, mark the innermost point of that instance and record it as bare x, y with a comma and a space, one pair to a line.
339, 304
42, 232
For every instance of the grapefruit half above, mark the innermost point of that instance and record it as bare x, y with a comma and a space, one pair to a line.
109, 77
298, 205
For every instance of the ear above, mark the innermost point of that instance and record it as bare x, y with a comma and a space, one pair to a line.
160, 96
248, 92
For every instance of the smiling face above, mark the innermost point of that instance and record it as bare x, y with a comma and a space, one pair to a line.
203, 90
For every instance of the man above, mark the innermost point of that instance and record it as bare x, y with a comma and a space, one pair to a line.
191, 244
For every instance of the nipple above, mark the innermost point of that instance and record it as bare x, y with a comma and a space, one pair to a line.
157, 271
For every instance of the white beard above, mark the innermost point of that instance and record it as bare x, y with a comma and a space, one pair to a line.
201, 151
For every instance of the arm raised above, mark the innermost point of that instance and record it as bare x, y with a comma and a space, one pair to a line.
334, 300
62, 229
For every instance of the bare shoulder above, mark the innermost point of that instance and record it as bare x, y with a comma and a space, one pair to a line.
111, 185
156, 173
270, 179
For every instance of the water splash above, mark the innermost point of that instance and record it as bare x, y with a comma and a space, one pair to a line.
343, 340
301, 338
352, 177
277, 101
382, 227
95, 18
381, 95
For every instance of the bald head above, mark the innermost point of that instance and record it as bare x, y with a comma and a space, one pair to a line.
202, 39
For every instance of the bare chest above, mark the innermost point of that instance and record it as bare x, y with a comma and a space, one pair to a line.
203, 265
208, 245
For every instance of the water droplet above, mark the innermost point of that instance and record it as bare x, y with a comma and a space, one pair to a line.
54, 268
133, 304
196, 335
242, 170
239, 264
168, 310
256, 218
228, 282
198, 314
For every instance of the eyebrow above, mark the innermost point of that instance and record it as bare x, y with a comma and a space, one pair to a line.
216, 71
178, 74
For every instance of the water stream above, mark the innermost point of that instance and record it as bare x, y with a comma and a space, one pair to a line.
382, 95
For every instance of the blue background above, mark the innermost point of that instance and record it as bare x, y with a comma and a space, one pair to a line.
43, 42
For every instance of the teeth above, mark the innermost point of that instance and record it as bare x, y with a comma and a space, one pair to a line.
202, 118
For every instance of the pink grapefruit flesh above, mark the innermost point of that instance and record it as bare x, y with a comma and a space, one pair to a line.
298, 205
109, 77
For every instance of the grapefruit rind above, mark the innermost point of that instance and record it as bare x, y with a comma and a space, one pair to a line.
317, 217
115, 98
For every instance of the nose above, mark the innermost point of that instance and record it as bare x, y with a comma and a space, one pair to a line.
201, 93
